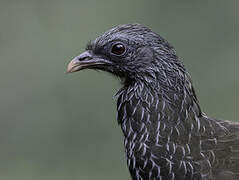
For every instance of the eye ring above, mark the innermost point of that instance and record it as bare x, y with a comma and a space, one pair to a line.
118, 49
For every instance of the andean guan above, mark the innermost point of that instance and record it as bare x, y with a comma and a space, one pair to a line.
166, 135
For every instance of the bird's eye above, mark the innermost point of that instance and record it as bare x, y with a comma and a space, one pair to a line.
118, 49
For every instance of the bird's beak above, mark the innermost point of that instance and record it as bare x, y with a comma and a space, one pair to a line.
84, 61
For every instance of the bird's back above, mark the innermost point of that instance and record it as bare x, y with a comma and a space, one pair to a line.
225, 163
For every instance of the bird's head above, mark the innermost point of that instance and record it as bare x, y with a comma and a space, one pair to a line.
132, 52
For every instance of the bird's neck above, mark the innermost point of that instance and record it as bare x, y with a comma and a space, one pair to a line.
152, 114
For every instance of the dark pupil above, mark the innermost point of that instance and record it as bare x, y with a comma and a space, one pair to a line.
118, 49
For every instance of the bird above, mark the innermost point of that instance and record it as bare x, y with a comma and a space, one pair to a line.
166, 134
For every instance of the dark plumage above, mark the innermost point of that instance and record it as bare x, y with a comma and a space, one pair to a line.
166, 135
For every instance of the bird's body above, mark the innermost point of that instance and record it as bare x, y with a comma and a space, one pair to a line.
184, 144
166, 135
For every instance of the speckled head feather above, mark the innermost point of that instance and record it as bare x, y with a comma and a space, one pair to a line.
146, 52
166, 135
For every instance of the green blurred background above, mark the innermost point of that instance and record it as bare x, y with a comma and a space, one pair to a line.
58, 126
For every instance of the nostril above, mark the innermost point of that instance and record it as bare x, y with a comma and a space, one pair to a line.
84, 56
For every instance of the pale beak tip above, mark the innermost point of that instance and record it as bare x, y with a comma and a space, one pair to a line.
71, 66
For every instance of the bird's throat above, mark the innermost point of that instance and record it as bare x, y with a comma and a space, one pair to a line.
153, 122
